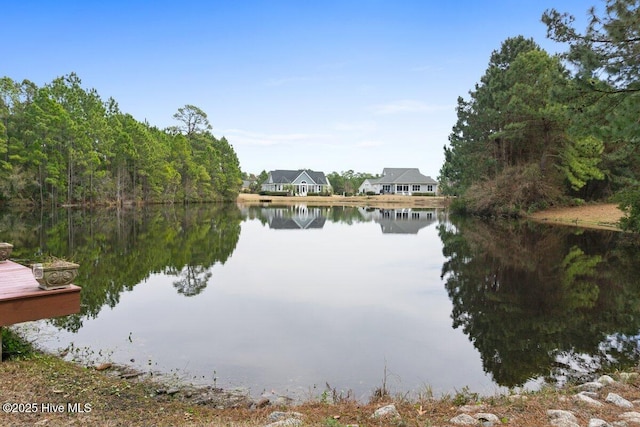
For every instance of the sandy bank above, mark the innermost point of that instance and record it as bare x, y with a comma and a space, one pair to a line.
606, 216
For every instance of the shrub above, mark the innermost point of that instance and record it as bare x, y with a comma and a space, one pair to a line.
629, 203
514, 191
273, 193
13, 346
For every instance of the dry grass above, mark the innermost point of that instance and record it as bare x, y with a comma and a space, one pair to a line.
45, 379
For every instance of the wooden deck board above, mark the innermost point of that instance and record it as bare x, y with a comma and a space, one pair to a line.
21, 299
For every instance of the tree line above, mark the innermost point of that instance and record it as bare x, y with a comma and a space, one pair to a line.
540, 130
61, 144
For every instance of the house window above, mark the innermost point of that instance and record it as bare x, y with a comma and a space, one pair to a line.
430, 188
386, 189
402, 188
415, 187
415, 215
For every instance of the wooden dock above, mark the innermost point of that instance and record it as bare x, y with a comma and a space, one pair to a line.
21, 300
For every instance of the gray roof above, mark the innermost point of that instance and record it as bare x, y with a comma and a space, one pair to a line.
280, 176
296, 223
403, 176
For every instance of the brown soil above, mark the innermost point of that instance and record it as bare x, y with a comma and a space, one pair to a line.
595, 216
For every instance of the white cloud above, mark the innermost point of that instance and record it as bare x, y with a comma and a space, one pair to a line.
361, 126
407, 106
242, 137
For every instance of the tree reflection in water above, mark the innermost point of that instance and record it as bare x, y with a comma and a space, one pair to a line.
118, 249
541, 301
536, 301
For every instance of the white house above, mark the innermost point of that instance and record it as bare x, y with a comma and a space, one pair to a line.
405, 181
299, 182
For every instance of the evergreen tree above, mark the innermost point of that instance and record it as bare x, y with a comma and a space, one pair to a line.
607, 70
61, 143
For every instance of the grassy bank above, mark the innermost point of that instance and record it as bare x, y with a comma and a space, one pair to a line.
87, 396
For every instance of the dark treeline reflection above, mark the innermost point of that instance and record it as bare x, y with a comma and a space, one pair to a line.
541, 301
117, 249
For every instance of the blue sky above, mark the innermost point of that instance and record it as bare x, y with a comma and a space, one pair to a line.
325, 85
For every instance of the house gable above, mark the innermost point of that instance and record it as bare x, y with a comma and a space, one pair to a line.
298, 181
304, 177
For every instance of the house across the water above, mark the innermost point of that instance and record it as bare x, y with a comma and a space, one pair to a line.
298, 182
406, 181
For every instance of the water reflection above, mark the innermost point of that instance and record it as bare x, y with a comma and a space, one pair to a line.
532, 300
118, 250
536, 301
296, 217
404, 221
303, 217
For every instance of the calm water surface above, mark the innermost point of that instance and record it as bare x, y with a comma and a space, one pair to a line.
291, 298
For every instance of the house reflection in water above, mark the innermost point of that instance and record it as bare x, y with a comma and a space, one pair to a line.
303, 217
297, 217
402, 221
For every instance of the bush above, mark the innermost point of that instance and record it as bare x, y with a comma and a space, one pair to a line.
13, 346
273, 193
459, 206
629, 203
424, 194
513, 192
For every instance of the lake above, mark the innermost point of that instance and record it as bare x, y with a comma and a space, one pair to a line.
294, 299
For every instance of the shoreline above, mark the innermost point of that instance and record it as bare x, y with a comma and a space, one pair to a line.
44, 389
146, 398
380, 201
605, 216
